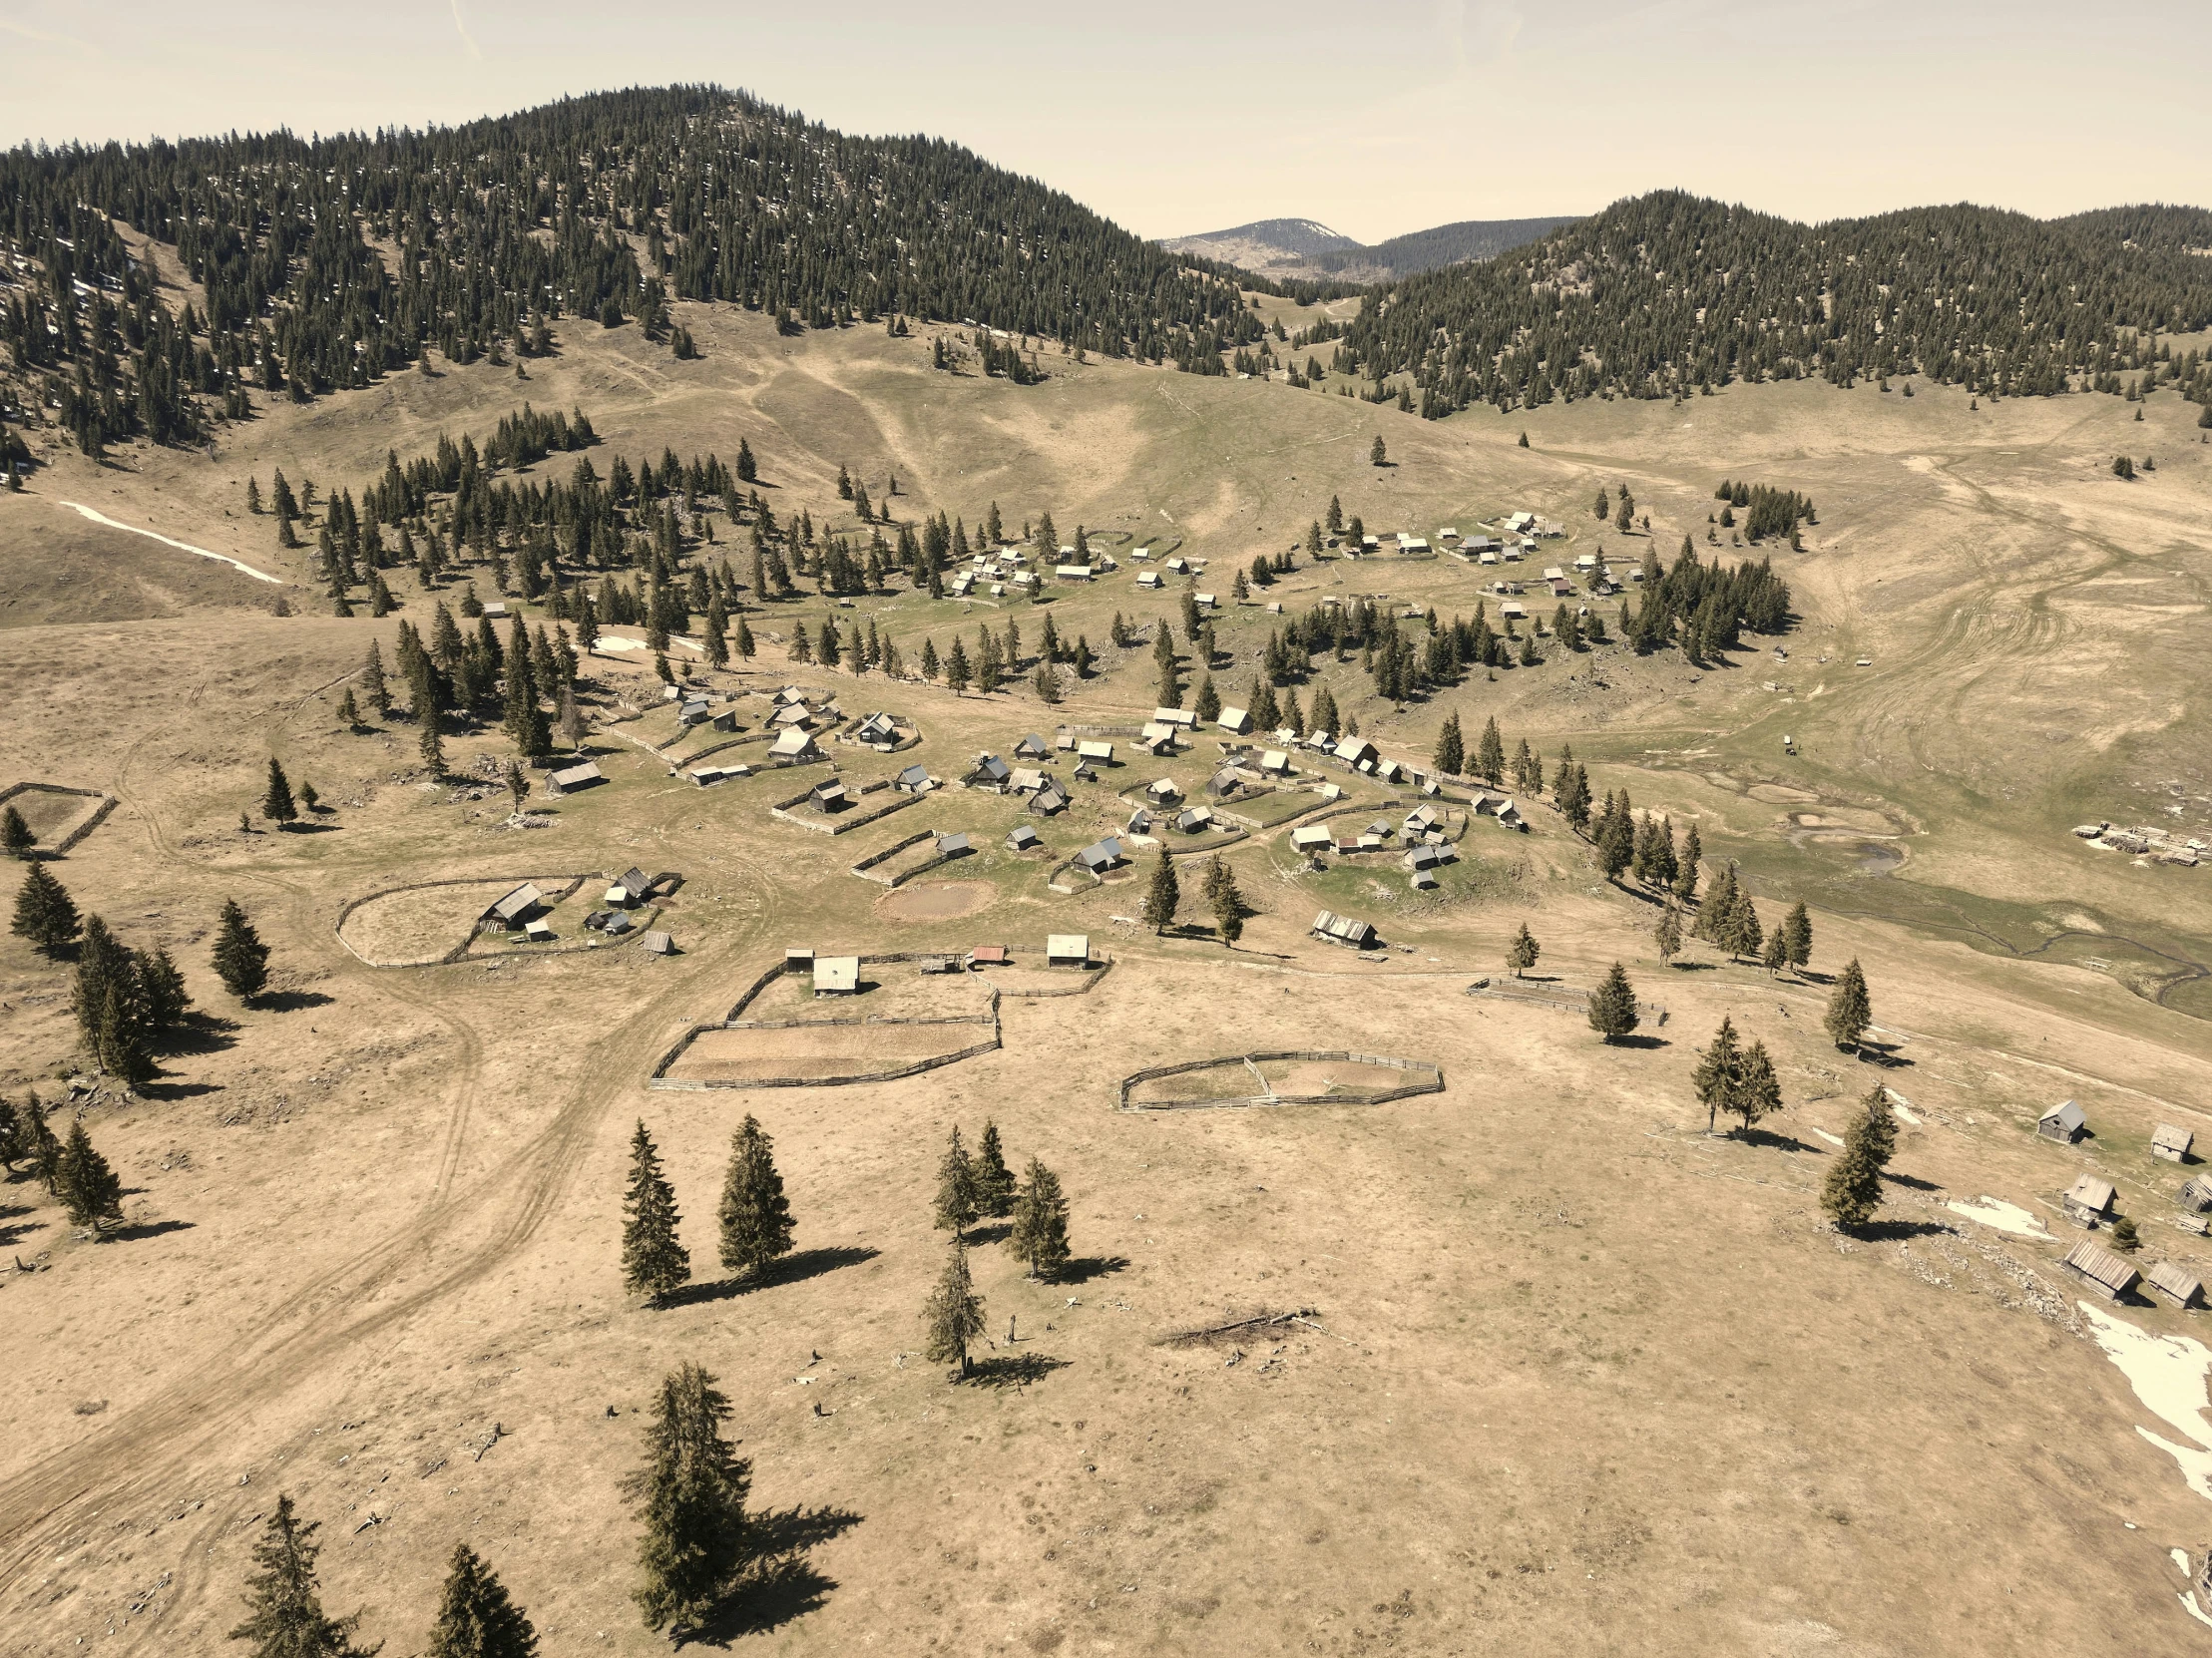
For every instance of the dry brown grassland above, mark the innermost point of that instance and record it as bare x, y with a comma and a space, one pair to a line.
1580, 1378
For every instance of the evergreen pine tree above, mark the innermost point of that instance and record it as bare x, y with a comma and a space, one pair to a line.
693, 1492
284, 1616
40, 1146
1489, 754
1850, 1010
1612, 1005
1686, 876
476, 1616
276, 801
241, 958
1754, 1089
959, 1196
756, 1217
1853, 1190
655, 1263
1797, 937
43, 912
1776, 956
1450, 749
349, 710
432, 744
953, 1316
1227, 902
1522, 954
1162, 896
994, 1180
87, 1187
372, 683
1039, 1231
1669, 937
16, 838
162, 988
1209, 705
1716, 1071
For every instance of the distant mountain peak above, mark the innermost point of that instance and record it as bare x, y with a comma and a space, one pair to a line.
1305, 247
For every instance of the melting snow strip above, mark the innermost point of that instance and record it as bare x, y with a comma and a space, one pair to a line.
181, 545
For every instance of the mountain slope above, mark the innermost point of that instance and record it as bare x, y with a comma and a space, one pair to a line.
1263, 242
1289, 249
1661, 294
328, 264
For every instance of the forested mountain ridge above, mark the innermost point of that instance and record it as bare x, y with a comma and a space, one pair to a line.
1667, 293
328, 263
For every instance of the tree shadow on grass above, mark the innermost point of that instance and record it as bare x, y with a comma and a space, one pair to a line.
291, 1001
1896, 1231
995, 1233
791, 1269
1082, 1268
1768, 1138
1914, 1182
1883, 1054
1680, 965
177, 1091
1013, 1369
780, 1584
202, 1033
13, 1228
145, 1229
1633, 1041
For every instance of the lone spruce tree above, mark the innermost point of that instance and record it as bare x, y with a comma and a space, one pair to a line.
1522, 954
16, 838
756, 1218
277, 800
655, 1264
1451, 750
1040, 1233
1850, 1010
994, 1180
1164, 895
1754, 1090
43, 912
1716, 1071
1612, 1005
241, 958
284, 1616
476, 1616
1669, 935
1853, 1190
1489, 754
958, 1195
953, 1316
692, 1491
87, 1187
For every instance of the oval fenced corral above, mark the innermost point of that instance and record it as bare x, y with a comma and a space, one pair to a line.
1208, 1084
439, 920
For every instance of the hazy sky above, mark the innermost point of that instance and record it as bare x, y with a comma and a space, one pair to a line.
1374, 119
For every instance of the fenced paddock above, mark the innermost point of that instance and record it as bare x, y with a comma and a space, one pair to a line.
842, 1044
59, 815
1289, 1077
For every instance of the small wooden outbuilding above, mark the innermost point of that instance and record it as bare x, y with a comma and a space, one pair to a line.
2176, 1282
1068, 949
657, 944
837, 975
2172, 1144
2101, 1271
516, 906
2088, 1200
2196, 1193
2064, 1123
